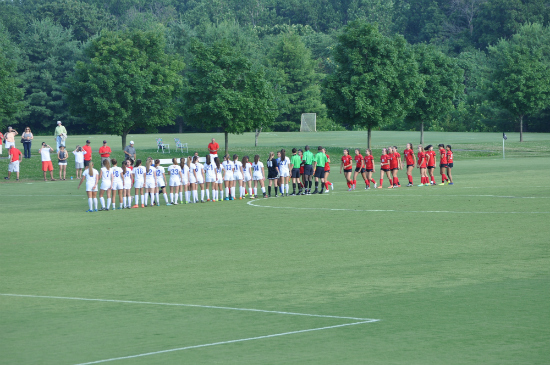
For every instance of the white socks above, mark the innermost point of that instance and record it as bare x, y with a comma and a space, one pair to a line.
102, 202
95, 203
208, 195
108, 203
202, 194
255, 191
263, 189
233, 192
90, 203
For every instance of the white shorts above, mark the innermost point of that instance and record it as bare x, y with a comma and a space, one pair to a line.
210, 178
89, 186
175, 182
247, 177
228, 176
192, 179
160, 182
200, 180
14, 166
118, 185
9, 144
257, 176
220, 179
185, 182
138, 184
237, 175
284, 173
127, 184
105, 185
150, 184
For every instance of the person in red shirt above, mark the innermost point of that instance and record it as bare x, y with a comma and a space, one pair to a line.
430, 157
395, 166
15, 159
385, 168
442, 163
213, 148
410, 160
105, 152
421, 164
88, 154
347, 166
449, 163
369, 169
359, 167
327, 172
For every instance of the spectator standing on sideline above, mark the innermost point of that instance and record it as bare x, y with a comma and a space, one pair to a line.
88, 155
1, 141
79, 161
10, 138
130, 152
62, 157
15, 158
213, 148
45, 151
27, 138
105, 152
60, 134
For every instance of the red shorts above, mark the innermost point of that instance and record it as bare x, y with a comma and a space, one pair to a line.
47, 166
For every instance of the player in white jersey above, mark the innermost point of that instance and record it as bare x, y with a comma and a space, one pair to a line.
184, 180
192, 181
209, 176
127, 176
175, 180
92, 177
237, 177
150, 180
139, 182
161, 183
258, 175
217, 194
106, 182
284, 172
247, 175
199, 174
117, 184
228, 167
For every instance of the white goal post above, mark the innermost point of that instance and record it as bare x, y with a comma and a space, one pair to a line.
309, 122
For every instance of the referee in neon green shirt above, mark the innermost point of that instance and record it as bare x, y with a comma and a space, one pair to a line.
308, 170
319, 166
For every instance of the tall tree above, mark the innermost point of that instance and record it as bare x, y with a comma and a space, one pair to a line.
520, 79
128, 82
10, 93
442, 83
375, 81
299, 80
225, 91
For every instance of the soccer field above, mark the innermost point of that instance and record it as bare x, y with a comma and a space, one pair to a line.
423, 275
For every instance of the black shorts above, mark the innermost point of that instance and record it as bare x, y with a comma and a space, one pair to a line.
348, 170
327, 171
410, 166
320, 171
295, 173
370, 170
431, 167
357, 169
87, 163
395, 168
272, 175
308, 170
383, 169
443, 165
450, 165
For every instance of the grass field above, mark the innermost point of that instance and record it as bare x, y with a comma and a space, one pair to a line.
425, 275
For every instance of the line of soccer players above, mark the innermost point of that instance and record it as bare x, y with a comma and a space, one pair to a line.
391, 163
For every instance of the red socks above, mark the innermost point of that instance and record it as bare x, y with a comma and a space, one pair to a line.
381, 181
410, 179
374, 182
443, 178
433, 180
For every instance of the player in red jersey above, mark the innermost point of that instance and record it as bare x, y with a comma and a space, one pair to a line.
430, 157
442, 163
396, 165
385, 168
421, 164
302, 182
449, 163
410, 161
369, 169
347, 166
359, 166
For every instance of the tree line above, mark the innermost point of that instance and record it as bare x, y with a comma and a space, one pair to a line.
235, 66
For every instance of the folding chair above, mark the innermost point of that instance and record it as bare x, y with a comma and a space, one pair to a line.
162, 146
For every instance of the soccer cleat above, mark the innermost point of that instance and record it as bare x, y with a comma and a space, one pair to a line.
332, 186
256, 196
380, 187
390, 187
421, 185
95, 210
89, 211
265, 195
240, 198
143, 206
135, 206
168, 204
293, 194
409, 185
315, 192
349, 189
231, 198
443, 183
375, 185
321, 192
175, 203
367, 188
252, 197
226, 198
451, 184
326, 191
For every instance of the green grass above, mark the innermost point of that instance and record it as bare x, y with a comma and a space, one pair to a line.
455, 274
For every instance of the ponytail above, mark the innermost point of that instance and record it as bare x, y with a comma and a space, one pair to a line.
91, 169
283, 155
148, 165
256, 159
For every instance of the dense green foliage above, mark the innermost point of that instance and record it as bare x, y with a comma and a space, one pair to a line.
292, 41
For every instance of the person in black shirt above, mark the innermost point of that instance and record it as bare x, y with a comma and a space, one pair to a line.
272, 173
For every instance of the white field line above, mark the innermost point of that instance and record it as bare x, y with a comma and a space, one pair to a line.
186, 305
225, 342
251, 203
453, 195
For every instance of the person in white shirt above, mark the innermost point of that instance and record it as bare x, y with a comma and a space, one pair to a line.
45, 151
284, 172
106, 183
209, 176
199, 174
237, 177
184, 180
139, 182
161, 183
228, 167
258, 175
117, 184
91, 176
247, 175
127, 178
150, 180
175, 180
192, 181
79, 161
218, 185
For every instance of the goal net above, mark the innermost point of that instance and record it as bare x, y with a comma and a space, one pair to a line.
309, 122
